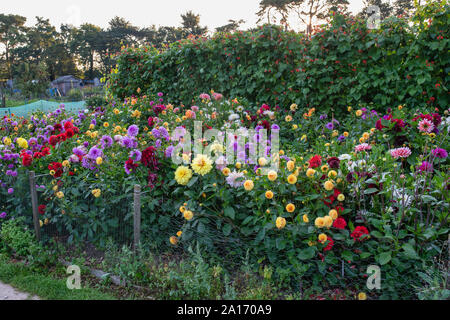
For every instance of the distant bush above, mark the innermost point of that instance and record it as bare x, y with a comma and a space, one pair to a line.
75, 95
95, 101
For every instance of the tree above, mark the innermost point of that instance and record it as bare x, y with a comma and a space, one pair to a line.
191, 23
279, 6
403, 7
385, 8
32, 79
232, 25
86, 44
307, 10
11, 29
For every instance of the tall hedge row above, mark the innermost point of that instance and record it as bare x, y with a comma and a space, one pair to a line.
403, 62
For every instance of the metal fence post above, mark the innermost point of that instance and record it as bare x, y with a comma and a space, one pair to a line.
137, 215
34, 205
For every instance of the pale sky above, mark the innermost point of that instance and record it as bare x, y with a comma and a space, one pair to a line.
213, 13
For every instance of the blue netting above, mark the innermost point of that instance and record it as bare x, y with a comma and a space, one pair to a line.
42, 105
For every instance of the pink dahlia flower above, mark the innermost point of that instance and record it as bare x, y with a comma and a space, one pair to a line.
363, 147
205, 96
426, 126
401, 152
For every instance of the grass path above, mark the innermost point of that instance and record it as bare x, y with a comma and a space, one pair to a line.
43, 285
10, 293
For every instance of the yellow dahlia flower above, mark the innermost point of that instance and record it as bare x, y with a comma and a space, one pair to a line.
173, 240
188, 215
272, 175
328, 221
290, 207
292, 179
201, 164
322, 237
333, 214
226, 171
319, 222
22, 143
248, 185
269, 194
290, 165
328, 185
96, 192
310, 173
280, 222
183, 174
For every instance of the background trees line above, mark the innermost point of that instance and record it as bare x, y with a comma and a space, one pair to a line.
88, 51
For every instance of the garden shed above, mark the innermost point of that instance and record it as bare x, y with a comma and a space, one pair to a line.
65, 83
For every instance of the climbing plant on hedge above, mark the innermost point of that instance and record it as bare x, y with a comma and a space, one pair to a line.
344, 63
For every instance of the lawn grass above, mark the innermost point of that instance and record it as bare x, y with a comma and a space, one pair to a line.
45, 286
17, 103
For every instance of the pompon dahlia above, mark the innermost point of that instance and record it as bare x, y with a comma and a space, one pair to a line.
404, 152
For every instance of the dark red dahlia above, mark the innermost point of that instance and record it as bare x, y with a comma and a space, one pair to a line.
149, 158
334, 162
41, 208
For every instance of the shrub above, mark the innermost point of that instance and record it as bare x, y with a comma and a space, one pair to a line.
18, 238
75, 95
342, 64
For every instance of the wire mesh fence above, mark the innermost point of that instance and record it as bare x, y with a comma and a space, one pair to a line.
43, 106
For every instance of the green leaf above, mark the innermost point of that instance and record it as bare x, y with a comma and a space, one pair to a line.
192, 182
226, 229
377, 234
347, 255
409, 251
229, 212
384, 258
370, 191
280, 243
306, 254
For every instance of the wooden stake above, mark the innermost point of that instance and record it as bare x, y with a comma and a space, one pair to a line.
34, 205
137, 215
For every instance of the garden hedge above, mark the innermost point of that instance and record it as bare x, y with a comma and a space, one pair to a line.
406, 62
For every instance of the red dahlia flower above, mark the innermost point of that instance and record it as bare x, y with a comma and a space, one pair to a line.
57, 167
26, 160
339, 223
315, 161
359, 232
149, 158
41, 208
329, 245
69, 133
58, 127
68, 125
53, 140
